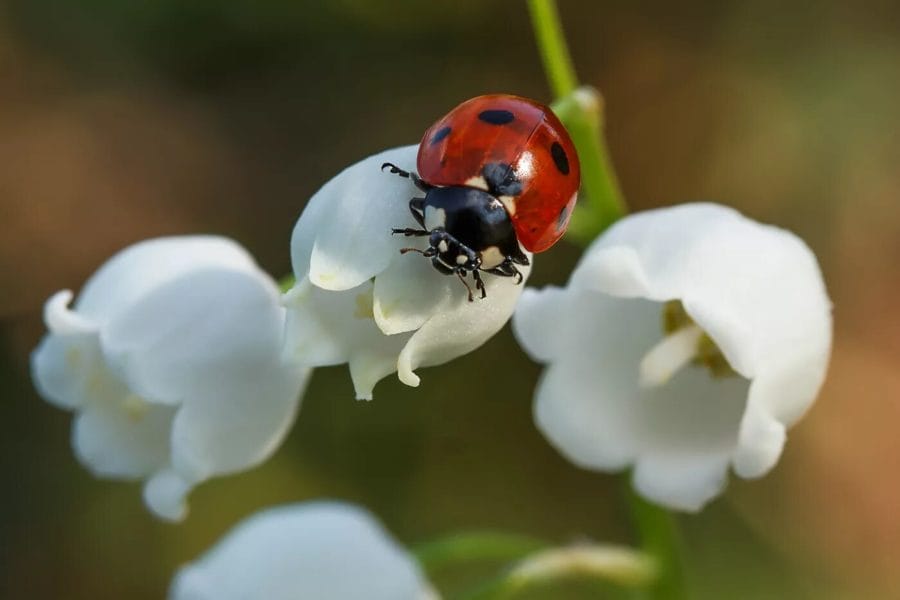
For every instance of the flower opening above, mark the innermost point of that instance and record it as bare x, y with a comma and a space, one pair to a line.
744, 347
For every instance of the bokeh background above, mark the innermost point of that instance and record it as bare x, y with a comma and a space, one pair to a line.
126, 120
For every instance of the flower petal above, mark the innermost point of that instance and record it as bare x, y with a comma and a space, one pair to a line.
123, 437
328, 328
140, 268
460, 327
409, 292
613, 270
65, 369
590, 405
681, 481
198, 336
592, 432
540, 322
760, 441
362, 205
755, 289
60, 319
239, 429
322, 550
165, 494
778, 397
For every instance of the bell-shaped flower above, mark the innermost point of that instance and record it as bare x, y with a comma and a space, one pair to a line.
171, 358
359, 301
315, 550
687, 340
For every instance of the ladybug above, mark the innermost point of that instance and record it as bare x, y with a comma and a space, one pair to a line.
500, 174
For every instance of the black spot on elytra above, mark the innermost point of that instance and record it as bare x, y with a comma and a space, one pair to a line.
560, 158
501, 179
441, 134
496, 116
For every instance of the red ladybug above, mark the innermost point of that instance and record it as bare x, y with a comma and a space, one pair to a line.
497, 171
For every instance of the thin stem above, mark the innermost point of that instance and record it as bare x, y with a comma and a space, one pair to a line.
661, 539
580, 110
552, 45
470, 546
581, 113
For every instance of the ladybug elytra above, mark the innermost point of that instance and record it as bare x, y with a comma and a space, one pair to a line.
500, 174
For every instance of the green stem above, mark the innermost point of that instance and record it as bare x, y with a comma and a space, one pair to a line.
661, 539
552, 46
471, 546
580, 110
581, 114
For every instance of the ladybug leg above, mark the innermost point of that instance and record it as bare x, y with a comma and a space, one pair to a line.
417, 208
507, 269
461, 273
408, 175
520, 258
426, 253
479, 284
408, 232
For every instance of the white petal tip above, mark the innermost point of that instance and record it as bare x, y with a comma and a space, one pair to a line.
753, 460
165, 495
406, 376
405, 367
59, 318
385, 320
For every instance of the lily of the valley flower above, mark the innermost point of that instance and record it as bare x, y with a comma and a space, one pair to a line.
316, 550
171, 360
687, 340
359, 301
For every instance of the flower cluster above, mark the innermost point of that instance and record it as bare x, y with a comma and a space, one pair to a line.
686, 342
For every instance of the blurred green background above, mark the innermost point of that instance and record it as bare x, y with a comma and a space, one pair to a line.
126, 120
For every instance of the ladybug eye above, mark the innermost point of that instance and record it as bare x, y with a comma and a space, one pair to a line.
496, 117
560, 158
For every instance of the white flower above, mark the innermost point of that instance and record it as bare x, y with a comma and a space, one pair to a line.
744, 302
315, 551
359, 301
171, 358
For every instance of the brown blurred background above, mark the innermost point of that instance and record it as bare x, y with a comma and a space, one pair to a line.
126, 120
